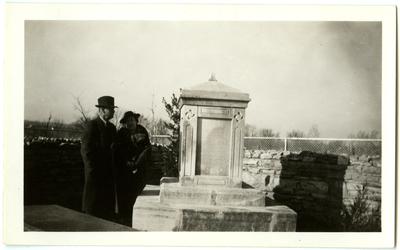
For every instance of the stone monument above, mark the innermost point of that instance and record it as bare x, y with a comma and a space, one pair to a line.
212, 125
209, 194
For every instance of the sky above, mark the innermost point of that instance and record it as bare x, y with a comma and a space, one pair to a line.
298, 74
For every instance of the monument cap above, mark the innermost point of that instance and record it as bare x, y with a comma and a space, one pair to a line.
213, 89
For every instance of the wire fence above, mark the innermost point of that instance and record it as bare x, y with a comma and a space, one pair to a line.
349, 147
318, 145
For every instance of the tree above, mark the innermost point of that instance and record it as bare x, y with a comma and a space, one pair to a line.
268, 133
157, 125
250, 130
153, 120
58, 124
117, 116
295, 133
173, 112
84, 113
361, 134
313, 132
48, 125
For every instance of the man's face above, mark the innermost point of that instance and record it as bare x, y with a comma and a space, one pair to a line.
107, 113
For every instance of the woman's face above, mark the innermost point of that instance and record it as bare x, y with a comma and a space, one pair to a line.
131, 123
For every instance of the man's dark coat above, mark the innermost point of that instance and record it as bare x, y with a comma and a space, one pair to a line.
96, 150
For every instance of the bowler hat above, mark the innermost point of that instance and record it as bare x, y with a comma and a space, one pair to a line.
129, 114
106, 102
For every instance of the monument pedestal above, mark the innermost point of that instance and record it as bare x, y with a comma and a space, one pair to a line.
152, 214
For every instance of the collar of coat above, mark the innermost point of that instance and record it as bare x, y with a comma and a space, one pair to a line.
102, 123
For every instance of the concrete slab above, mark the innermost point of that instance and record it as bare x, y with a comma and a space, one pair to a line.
55, 218
169, 180
150, 215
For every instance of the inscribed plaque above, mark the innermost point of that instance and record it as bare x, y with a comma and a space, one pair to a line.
213, 147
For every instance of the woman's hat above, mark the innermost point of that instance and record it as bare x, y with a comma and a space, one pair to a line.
106, 102
129, 114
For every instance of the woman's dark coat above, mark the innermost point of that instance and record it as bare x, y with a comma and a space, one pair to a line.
129, 184
96, 150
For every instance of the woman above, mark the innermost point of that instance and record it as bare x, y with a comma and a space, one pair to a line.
132, 155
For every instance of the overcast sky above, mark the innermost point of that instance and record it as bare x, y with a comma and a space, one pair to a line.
297, 73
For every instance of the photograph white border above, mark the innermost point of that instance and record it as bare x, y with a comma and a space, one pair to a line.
17, 13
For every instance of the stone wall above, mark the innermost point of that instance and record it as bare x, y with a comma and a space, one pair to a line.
53, 173
316, 186
262, 169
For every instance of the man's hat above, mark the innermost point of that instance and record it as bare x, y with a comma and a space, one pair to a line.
128, 115
106, 102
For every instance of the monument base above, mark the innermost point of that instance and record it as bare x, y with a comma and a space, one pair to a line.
175, 193
149, 214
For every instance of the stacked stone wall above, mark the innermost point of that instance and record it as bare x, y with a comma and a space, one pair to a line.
262, 169
363, 172
317, 186
54, 173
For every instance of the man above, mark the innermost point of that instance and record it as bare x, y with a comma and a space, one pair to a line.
99, 190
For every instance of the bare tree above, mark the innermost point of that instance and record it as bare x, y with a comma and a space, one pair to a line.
361, 134
159, 127
153, 122
266, 132
117, 116
48, 125
84, 114
57, 124
313, 132
250, 130
295, 134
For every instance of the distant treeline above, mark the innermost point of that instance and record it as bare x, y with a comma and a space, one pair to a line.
157, 126
60, 129
313, 132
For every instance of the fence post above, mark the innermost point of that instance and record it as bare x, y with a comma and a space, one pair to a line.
285, 144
